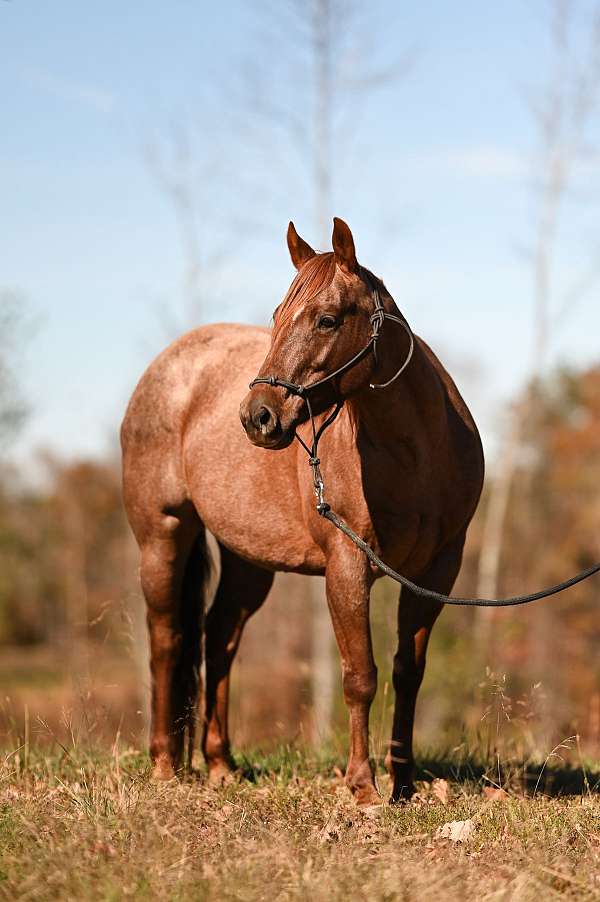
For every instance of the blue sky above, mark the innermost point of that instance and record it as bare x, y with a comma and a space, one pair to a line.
433, 174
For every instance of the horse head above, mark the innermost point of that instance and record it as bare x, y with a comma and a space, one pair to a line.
320, 330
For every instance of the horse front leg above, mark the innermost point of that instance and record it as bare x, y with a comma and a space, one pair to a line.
348, 583
416, 618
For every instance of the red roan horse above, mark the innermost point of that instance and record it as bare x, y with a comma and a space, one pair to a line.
404, 468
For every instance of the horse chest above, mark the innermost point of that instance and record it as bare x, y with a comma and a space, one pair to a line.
391, 503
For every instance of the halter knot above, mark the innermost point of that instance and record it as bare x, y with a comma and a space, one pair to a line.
377, 318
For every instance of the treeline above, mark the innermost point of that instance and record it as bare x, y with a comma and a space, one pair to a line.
66, 556
69, 596
551, 531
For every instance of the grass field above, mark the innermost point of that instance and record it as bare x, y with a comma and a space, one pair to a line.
78, 824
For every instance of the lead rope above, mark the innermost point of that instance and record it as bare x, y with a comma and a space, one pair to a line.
324, 510
445, 599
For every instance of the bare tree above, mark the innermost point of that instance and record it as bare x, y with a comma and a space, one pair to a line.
190, 172
12, 407
318, 59
562, 114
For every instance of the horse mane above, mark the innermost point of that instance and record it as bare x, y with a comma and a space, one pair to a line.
315, 275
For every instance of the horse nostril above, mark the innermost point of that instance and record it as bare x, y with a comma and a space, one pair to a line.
264, 416
258, 417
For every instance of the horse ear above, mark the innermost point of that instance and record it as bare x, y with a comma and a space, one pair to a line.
299, 250
343, 246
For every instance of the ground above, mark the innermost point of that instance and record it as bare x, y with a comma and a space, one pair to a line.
81, 824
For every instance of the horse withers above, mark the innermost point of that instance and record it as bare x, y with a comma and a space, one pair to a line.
404, 468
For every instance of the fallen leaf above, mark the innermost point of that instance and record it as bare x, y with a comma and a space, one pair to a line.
456, 831
495, 794
421, 798
440, 790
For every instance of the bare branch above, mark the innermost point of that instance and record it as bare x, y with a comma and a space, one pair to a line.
562, 113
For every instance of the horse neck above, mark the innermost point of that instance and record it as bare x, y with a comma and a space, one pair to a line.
414, 399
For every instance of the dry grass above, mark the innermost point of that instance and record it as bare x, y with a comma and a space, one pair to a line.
82, 825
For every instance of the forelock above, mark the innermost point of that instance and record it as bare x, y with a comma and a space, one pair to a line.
313, 277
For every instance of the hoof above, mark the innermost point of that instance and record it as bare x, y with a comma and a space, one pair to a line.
403, 794
162, 771
367, 797
222, 773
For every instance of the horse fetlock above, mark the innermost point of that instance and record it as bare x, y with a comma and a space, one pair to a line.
214, 745
221, 771
359, 775
361, 783
218, 757
219, 761
164, 767
166, 753
402, 772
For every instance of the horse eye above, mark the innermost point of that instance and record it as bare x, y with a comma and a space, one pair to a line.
327, 322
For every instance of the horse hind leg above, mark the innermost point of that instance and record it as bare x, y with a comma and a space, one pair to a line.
173, 562
242, 589
187, 684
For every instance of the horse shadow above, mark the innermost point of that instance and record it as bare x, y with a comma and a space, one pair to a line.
525, 778
528, 778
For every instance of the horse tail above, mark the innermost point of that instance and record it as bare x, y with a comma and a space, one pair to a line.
193, 604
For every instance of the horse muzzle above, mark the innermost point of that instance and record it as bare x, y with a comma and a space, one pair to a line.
262, 422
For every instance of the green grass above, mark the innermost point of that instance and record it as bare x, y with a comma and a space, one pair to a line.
78, 824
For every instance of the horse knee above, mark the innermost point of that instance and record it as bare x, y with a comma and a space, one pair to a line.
359, 686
